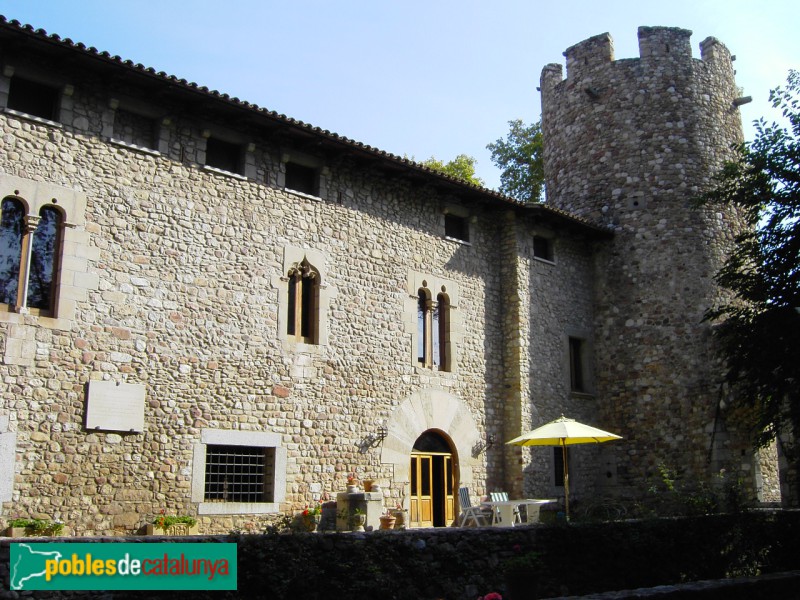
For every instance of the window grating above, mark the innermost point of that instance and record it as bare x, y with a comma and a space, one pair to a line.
239, 474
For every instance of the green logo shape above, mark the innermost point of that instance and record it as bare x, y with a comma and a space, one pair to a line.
123, 566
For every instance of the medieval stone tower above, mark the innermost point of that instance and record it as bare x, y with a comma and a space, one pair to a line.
629, 143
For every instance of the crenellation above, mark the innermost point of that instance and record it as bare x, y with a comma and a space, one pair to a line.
584, 57
665, 42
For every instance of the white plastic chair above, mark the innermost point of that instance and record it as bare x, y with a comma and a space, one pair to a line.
469, 512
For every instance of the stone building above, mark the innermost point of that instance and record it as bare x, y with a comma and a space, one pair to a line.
209, 308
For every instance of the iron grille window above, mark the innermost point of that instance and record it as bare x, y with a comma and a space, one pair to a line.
239, 474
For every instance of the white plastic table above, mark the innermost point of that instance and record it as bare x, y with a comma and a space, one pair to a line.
503, 511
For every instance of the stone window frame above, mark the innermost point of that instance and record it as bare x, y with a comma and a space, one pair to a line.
584, 360
454, 334
31, 226
293, 257
309, 161
459, 212
64, 108
235, 437
72, 277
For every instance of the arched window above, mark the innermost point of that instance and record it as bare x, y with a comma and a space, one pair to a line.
12, 222
44, 259
28, 256
423, 326
433, 327
303, 302
442, 332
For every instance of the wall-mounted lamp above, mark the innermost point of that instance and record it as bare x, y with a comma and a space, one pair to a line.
373, 440
483, 445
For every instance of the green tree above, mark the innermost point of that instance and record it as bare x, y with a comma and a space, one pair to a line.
759, 324
519, 157
461, 167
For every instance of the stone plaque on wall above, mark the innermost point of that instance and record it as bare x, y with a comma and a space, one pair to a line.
115, 406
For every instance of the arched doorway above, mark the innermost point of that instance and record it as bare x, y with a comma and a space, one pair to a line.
433, 481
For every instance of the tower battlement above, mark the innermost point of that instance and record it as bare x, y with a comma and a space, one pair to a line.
672, 44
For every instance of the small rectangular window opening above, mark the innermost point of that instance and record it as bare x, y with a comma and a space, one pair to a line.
456, 227
223, 155
32, 98
576, 378
542, 248
301, 179
239, 474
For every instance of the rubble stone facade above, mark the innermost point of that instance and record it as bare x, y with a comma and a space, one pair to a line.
251, 286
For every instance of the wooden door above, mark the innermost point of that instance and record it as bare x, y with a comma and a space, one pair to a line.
432, 490
422, 490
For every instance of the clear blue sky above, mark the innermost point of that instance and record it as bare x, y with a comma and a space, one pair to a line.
419, 77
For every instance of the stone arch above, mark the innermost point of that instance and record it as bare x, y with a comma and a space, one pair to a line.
423, 411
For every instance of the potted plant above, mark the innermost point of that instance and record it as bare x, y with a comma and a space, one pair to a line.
388, 520
312, 515
357, 520
352, 484
34, 527
172, 525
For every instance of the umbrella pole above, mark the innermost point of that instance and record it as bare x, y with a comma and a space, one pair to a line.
566, 480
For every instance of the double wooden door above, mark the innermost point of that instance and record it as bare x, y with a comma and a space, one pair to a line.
432, 485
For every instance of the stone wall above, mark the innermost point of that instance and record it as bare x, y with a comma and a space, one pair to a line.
186, 268
465, 563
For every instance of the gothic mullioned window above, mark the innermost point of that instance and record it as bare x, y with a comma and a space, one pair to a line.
303, 304
433, 329
29, 251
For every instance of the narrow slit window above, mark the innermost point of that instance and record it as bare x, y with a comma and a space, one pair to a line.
576, 365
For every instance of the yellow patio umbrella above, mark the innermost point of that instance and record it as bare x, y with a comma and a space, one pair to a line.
564, 432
